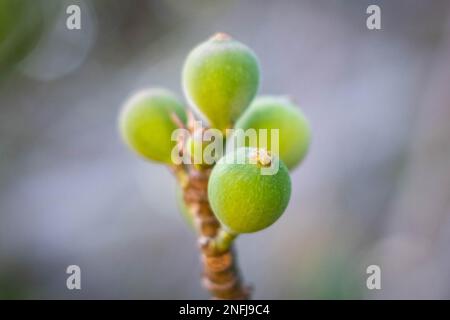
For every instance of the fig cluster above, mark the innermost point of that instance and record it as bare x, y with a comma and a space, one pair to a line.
220, 80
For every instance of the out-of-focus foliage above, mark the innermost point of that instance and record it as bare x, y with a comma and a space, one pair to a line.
21, 25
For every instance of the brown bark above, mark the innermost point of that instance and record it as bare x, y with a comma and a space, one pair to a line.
220, 272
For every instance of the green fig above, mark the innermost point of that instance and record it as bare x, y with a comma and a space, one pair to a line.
276, 112
243, 199
220, 79
196, 150
205, 147
147, 123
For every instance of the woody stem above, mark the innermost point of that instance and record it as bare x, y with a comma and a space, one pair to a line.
220, 272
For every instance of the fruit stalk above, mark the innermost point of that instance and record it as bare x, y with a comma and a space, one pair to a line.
220, 272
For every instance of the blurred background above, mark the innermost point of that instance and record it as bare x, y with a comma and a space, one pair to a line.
374, 189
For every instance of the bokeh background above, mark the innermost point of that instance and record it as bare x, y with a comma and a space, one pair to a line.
374, 189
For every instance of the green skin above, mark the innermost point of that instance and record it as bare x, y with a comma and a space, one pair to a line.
273, 112
200, 146
193, 146
220, 79
146, 124
242, 198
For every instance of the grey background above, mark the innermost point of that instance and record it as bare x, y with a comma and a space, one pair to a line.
374, 189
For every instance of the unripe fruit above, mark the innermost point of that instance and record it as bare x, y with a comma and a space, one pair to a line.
220, 79
204, 148
195, 147
241, 197
275, 112
146, 123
